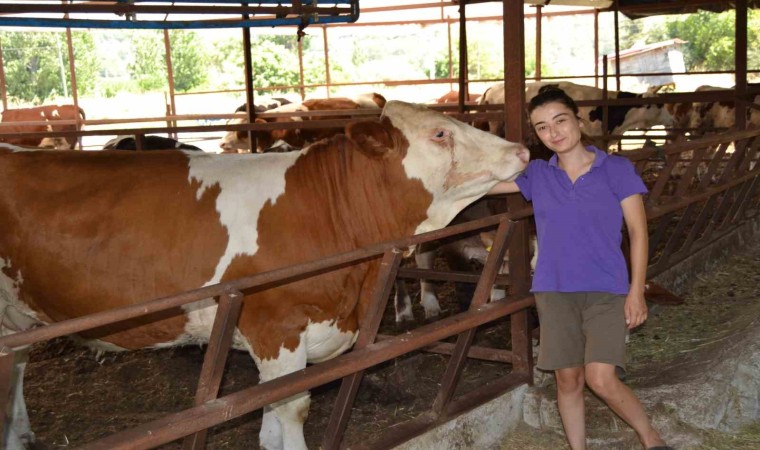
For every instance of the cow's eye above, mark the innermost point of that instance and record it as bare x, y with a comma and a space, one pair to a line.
441, 135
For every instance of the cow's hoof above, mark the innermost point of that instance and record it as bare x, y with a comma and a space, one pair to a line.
405, 316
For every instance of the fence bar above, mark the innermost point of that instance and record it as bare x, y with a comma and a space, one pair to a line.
367, 334
459, 355
7, 362
220, 342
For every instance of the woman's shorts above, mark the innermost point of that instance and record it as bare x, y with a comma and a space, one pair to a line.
578, 328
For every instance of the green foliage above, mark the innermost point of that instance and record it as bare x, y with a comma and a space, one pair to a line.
711, 39
37, 64
148, 67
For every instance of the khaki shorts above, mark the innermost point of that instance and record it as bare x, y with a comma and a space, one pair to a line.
578, 328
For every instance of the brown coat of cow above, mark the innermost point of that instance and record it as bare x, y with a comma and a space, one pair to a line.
49, 114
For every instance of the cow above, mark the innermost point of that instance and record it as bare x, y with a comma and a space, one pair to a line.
48, 116
85, 232
459, 252
621, 117
237, 141
151, 142
264, 104
453, 97
701, 117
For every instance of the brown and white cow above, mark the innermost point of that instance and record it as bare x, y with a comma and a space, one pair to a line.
453, 97
237, 141
84, 232
621, 117
701, 117
51, 115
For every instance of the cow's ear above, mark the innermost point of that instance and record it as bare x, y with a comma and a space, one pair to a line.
373, 137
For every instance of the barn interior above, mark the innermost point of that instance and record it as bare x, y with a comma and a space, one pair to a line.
702, 194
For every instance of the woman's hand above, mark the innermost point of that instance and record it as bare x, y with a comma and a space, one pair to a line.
635, 309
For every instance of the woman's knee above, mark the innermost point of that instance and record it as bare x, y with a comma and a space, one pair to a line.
602, 380
570, 380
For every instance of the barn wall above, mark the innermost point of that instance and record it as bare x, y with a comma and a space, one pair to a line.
484, 427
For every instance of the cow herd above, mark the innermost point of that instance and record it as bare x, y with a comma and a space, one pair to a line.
696, 118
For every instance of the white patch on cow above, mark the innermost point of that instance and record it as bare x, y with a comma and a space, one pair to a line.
282, 424
247, 182
15, 315
324, 340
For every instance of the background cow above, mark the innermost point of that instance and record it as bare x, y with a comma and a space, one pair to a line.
700, 117
236, 141
264, 104
152, 224
151, 142
621, 117
51, 114
453, 97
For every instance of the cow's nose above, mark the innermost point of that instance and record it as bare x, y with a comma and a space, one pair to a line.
524, 154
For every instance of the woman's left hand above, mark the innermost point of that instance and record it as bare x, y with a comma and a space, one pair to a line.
635, 310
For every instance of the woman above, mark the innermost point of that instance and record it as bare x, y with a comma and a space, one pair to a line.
585, 301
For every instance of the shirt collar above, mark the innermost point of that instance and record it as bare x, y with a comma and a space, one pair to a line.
598, 160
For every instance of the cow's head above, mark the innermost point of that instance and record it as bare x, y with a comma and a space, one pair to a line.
455, 162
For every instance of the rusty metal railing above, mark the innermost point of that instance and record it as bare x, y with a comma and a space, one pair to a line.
210, 410
701, 190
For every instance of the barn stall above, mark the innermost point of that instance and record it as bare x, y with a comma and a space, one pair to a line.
730, 184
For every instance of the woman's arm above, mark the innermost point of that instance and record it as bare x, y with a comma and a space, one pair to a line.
504, 187
636, 222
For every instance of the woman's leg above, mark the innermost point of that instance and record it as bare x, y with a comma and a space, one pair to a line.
570, 383
602, 380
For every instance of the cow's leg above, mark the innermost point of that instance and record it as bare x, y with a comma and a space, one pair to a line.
18, 429
402, 302
282, 425
428, 299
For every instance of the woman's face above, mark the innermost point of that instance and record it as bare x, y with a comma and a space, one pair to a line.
557, 127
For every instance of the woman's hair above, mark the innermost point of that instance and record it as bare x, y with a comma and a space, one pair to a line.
551, 93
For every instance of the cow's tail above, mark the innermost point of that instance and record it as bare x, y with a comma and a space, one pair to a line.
81, 113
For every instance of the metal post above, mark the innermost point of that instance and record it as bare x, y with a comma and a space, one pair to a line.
539, 19
462, 55
515, 123
3, 89
740, 71
7, 362
170, 76
328, 79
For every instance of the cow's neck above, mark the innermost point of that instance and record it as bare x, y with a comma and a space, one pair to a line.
363, 200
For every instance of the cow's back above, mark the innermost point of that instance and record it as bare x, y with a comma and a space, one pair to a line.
86, 232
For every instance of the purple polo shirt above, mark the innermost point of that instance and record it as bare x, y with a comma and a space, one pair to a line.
579, 225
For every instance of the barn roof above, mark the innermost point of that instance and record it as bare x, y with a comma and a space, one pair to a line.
636, 9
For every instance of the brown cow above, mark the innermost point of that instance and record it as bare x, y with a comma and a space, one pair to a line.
296, 138
453, 97
51, 114
85, 232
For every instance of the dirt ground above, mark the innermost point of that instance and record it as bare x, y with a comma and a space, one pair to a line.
75, 396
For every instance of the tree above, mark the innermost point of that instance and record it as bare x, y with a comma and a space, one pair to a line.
37, 64
711, 39
148, 66
189, 60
